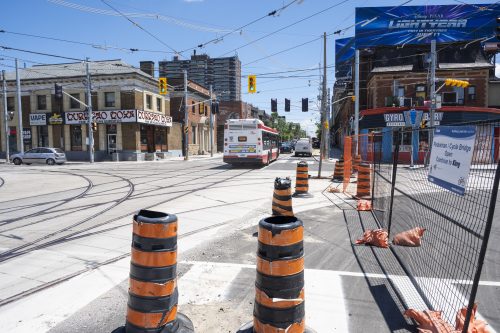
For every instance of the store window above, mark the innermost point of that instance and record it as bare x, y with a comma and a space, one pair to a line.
158, 104
193, 107
144, 138
193, 131
400, 92
160, 139
149, 102
43, 136
109, 99
11, 105
74, 104
471, 93
460, 95
76, 137
41, 102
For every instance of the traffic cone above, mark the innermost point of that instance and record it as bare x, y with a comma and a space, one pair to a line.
364, 181
279, 285
153, 295
302, 181
282, 197
338, 173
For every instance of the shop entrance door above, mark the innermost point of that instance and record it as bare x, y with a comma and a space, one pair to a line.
111, 143
151, 139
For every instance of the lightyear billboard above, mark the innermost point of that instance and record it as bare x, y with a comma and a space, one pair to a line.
421, 24
344, 55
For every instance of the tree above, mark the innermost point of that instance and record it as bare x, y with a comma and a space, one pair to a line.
288, 130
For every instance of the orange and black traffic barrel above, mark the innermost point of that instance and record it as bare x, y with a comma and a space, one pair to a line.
279, 285
282, 197
302, 181
356, 162
338, 172
153, 295
364, 181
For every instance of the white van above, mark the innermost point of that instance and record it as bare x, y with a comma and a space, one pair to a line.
303, 147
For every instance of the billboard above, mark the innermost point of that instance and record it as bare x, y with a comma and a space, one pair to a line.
344, 55
420, 24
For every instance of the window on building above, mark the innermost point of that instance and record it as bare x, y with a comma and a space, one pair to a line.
471, 93
109, 99
43, 136
400, 92
144, 135
193, 130
76, 137
193, 107
206, 110
74, 104
158, 104
11, 105
460, 95
41, 102
149, 102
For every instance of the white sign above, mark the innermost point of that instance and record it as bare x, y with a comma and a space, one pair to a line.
38, 119
451, 156
153, 118
101, 117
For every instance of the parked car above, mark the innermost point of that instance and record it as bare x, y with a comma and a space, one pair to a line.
44, 155
303, 147
285, 147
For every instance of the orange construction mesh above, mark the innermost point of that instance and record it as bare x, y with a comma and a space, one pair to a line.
353, 157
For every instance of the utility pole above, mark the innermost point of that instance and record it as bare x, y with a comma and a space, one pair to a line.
186, 119
356, 101
6, 118
323, 109
19, 110
433, 87
89, 108
327, 120
211, 125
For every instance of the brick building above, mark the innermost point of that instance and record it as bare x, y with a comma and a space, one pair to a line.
132, 119
198, 102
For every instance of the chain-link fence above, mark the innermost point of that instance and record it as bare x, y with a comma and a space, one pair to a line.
446, 268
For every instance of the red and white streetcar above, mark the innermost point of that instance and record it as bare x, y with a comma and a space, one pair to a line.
250, 141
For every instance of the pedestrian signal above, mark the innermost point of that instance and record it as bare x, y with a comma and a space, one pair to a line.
252, 84
162, 85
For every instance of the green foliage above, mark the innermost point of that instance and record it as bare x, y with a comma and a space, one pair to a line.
288, 130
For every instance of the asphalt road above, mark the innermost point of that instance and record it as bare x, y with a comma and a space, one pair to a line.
65, 241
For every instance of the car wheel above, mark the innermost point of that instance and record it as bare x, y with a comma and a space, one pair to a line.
17, 161
268, 159
51, 161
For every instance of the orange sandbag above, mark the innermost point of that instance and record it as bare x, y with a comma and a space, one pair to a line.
377, 237
364, 205
430, 321
410, 237
475, 326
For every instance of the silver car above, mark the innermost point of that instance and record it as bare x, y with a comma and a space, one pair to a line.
45, 155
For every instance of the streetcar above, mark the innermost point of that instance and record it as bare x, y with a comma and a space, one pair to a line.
250, 141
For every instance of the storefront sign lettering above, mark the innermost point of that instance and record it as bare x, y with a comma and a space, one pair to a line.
101, 117
55, 119
38, 119
153, 118
398, 119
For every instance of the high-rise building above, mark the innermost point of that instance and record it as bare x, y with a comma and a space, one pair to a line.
224, 74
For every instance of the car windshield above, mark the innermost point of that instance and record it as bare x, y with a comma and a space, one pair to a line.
59, 150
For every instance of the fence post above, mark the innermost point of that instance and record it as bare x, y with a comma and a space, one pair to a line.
484, 245
393, 181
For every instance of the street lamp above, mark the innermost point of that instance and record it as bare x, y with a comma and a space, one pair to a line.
10, 114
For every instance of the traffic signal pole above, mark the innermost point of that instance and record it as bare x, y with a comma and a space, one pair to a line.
323, 109
19, 109
186, 120
6, 118
89, 115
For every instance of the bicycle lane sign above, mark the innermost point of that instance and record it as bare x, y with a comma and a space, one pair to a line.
451, 156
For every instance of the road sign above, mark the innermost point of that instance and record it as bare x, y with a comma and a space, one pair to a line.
451, 156
413, 118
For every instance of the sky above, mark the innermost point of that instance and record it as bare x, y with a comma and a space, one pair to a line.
159, 28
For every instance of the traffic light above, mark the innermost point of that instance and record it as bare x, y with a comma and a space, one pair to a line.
58, 91
94, 126
215, 107
423, 123
274, 105
162, 86
252, 84
305, 104
353, 98
287, 105
456, 83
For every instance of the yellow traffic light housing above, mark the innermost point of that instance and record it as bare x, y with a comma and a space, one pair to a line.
162, 86
353, 98
252, 84
456, 83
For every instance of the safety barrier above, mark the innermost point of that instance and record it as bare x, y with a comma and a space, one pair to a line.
338, 172
153, 295
302, 181
356, 163
282, 197
279, 284
364, 181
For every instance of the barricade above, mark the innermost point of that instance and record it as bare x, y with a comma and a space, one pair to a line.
282, 197
338, 172
153, 295
356, 163
302, 181
279, 284
364, 181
